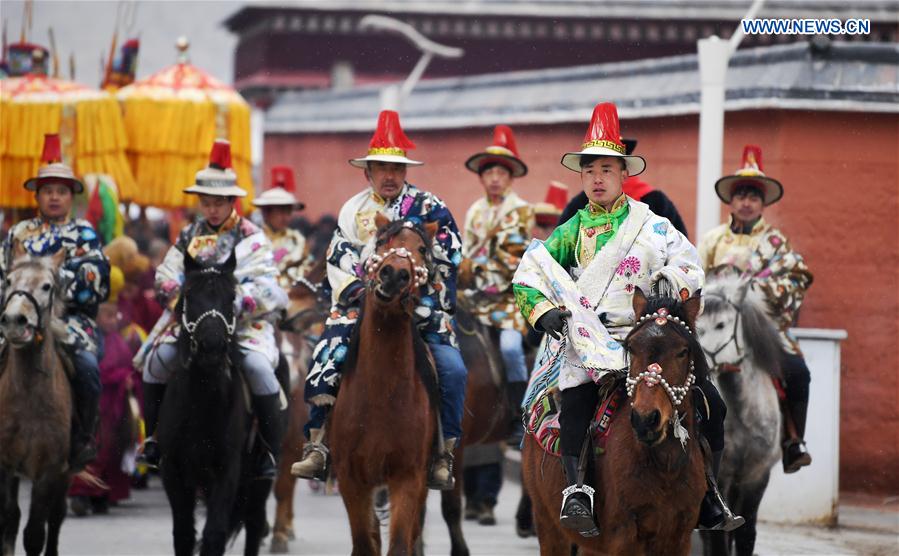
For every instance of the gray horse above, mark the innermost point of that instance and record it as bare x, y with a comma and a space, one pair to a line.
744, 351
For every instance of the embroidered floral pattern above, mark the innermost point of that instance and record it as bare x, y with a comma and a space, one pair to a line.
628, 267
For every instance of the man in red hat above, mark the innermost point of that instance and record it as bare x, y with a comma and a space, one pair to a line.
497, 229
636, 189
389, 194
760, 251
278, 205
84, 280
580, 283
211, 239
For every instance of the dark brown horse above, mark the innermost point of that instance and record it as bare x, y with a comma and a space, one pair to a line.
649, 483
384, 424
306, 315
35, 406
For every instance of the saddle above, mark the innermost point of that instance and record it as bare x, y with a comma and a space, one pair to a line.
543, 419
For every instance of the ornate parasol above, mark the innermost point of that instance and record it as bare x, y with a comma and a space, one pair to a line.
172, 118
88, 121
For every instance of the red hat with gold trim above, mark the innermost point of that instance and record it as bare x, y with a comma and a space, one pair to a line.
54, 169
603, 138
503, 151
750, 175
547, 212
281, 191
388, 144
218, 178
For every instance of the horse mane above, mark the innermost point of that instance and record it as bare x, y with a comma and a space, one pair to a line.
676, 308
760, 337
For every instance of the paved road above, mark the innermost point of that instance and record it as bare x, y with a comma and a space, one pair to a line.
142, 525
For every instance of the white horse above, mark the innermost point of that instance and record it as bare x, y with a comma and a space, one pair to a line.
744, 351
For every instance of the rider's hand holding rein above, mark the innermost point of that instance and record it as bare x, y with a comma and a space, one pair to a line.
553, 322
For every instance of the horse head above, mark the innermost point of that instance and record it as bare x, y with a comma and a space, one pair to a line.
307, 307
31, 298
401, 263
207, 309
734, 325
665, 361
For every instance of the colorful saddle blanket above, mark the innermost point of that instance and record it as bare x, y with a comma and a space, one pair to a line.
542, 409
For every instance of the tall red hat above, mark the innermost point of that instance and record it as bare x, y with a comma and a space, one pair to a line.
750, 174
53, 168
603, 138
503, 151
218, 178
548, 211
388, 144
280, 192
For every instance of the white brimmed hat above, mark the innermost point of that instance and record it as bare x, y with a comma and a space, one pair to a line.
603, 138
503, 151
281, 191
388, 144
217, 178
54, 170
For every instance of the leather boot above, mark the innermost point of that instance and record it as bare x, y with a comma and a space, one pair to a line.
314, 464
714, 515
577, 502
84, 427
271, 431
441, 475
515, 395
149, 453
795, 454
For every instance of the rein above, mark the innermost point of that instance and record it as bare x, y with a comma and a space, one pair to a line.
734, 338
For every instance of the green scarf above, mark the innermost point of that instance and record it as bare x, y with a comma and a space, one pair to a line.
594, 215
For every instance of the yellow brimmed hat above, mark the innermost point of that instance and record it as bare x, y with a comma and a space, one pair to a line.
388, 144
603, 139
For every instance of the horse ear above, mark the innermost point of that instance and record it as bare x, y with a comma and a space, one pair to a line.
431, 230
381, 221
639, 302
230, 264
692, 306
19, 250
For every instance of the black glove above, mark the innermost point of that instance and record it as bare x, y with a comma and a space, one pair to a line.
351, 294
553, 321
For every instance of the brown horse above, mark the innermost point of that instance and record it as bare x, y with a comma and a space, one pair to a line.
35, 405
384, 424
487, 414
306, 315
649, 484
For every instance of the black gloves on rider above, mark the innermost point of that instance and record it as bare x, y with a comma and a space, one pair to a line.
553, 321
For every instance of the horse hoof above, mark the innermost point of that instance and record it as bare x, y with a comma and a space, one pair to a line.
279, 545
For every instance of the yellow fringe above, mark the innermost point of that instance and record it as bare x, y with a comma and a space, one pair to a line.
169, 142
99, 145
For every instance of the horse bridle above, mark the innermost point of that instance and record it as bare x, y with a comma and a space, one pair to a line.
191, 326
652, 376
377, 260
734, 337
37, 309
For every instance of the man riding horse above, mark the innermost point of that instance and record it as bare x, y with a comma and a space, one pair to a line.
84, 279
497, 230
609, 248
392, 196
210, 240
756, 248
288, 245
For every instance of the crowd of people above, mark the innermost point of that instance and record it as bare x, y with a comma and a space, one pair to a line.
618, 235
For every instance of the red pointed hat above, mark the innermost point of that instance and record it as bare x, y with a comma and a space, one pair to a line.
750, 174
281, 191
603, 138
388, 144
218, 178
503, 151
548, 211
53, 169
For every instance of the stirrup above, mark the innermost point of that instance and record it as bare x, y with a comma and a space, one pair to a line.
583, 522
729, 521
